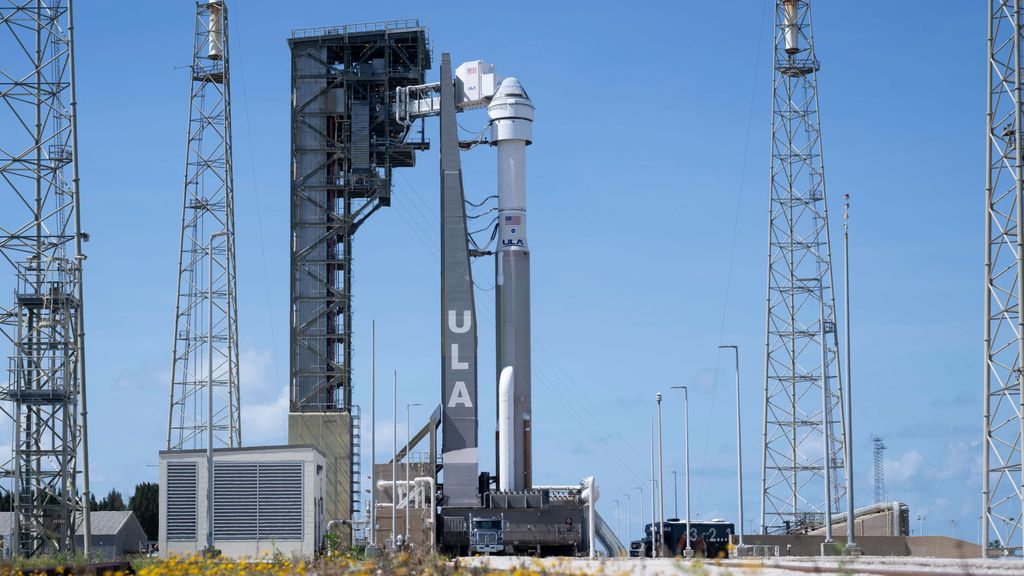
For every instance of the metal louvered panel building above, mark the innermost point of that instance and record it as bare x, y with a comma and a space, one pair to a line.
182, 501
265, 499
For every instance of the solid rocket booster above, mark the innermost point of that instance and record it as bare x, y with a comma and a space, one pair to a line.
506, 423
511, 115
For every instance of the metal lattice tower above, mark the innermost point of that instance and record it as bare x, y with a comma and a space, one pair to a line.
41, 247
879, 454
1002, 491
803, 392
206, 320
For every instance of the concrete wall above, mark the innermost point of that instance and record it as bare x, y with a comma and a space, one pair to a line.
313, 523
930, 546
331, 432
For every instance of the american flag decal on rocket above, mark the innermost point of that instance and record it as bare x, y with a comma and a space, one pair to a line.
513, 220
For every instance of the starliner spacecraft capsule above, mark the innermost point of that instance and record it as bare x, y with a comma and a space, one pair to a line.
511, 115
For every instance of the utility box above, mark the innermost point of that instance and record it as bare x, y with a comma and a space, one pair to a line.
266, 499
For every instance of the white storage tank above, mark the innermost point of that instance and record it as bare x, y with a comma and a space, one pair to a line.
266, 499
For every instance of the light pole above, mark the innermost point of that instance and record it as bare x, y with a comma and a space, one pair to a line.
209, 395
618, 525
850, 517
675, 492
394, 461
373, 435
654, 500
408, 439
686, 460
628, 519
643, 526
661, 480
739, 442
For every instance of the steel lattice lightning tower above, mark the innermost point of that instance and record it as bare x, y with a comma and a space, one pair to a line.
206, 320
1002, 490
879, 454
803, 391
41, 246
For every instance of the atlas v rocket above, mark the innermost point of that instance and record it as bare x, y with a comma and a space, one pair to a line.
511, 115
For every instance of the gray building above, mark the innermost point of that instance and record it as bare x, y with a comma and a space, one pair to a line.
114, 534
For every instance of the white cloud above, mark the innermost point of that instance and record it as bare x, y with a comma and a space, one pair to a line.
961, 460
266, 422
254, 368
906, 468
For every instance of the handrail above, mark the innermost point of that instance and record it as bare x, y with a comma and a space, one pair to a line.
379, 26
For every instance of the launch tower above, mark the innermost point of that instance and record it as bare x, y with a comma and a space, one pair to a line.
345, 144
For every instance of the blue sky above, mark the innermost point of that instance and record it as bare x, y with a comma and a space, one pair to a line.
648, 199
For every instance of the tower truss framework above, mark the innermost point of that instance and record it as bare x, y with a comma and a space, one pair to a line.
879, 448
1002, 481
346, 141
205, 357
803, 411
41, 250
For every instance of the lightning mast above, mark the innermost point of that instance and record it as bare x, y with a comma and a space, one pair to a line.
204, 402
1002, 494
879, 456
803, 437
41, 246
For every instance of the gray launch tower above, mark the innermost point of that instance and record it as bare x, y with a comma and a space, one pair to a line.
802, 455
345, 144
41, 249
204, 398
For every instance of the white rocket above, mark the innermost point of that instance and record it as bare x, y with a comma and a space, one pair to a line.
511, 115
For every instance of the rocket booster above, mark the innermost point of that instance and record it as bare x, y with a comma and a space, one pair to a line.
511, 115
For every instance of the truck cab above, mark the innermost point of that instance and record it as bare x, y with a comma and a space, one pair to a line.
486, 534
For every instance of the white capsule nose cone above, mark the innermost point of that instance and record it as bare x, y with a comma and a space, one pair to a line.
511, 88
511, 113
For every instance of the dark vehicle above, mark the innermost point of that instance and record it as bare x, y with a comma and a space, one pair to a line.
486, 535
707, 539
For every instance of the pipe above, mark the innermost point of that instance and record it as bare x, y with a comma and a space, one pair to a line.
507, 470
209, 397
590, 495
433, 508
825, 422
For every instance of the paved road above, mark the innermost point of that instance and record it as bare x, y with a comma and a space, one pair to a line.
874, 566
